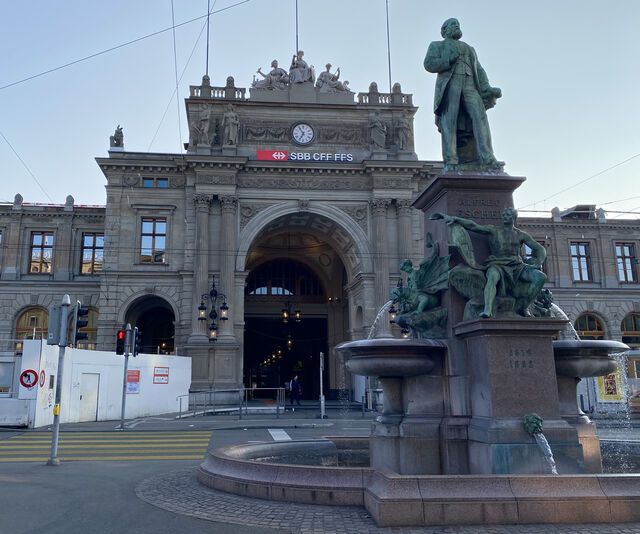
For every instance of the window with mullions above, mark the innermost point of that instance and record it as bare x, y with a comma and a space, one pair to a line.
285, 278
626, 261
160, 183
153, 240
581, 262
41, 252
92, 253
588, 326
31, 324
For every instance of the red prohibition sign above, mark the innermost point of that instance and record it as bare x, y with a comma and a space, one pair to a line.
28, 378
42, 378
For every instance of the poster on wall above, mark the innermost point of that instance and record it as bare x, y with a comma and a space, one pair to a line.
160, 375
610, 387
133, 381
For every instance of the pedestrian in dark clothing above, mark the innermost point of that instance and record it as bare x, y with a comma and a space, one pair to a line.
294, 386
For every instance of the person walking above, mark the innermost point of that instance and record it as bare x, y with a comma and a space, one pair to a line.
294, 387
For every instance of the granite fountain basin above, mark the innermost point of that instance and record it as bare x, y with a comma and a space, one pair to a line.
579, 358
392, 357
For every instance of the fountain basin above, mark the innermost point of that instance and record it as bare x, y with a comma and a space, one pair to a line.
581, 358
420, 500
392, 357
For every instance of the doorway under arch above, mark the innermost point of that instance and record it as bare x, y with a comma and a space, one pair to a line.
155, 318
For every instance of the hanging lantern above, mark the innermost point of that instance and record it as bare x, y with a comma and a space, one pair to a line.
289, 342
392, 314
202, 311
224, 311
298, 316
405, 333
213, 332
285, 315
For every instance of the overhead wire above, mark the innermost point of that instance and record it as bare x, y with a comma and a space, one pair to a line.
116, 47
175, 72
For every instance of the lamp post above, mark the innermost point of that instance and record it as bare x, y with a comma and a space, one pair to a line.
214, 296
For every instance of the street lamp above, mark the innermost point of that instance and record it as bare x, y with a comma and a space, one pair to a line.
214, 297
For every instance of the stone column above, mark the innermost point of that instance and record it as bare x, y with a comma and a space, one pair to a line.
228, 244
404, 229
200, 267
381, 259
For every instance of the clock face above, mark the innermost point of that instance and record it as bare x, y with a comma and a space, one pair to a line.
302, 133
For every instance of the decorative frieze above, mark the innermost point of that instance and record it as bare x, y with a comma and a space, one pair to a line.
215, 179
358, 212
356, 183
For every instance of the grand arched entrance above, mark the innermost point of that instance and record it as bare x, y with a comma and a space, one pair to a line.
295, 309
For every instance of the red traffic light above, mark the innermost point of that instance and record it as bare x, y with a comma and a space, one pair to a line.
120, 334
120, 337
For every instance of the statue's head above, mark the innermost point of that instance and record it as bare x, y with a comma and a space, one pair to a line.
373, 87
230, 81
328, 65
300, 53
509, 215
274, 63
451, 28
406, 266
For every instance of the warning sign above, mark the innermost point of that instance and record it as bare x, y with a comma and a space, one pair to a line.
29, 378
42, 378
133, 381
160, 375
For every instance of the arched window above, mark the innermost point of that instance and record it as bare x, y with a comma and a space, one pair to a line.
285, 278
31, 324
589, 326
631, 330
91, 330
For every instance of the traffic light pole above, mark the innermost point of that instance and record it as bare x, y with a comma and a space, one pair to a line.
127, 346
62, 342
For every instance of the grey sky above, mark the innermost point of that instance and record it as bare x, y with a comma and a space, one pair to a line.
568, 69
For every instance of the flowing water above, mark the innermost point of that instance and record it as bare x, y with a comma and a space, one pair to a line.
559, 312
546, 451
381, 315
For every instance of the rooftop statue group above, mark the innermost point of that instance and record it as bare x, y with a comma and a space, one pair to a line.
504, 286
462, 96
279, 79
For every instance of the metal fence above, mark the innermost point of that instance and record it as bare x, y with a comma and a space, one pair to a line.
233, 400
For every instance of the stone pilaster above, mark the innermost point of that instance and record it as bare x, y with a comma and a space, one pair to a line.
201, 267
404, 228
228, 242
381, 260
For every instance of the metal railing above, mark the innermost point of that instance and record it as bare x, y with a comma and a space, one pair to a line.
231, 400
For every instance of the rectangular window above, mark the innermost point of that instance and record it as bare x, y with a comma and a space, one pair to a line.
626, 261
581, 262
161, 183
92, 253
153, 240
41, 252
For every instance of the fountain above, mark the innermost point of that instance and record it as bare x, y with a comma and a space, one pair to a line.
450, 447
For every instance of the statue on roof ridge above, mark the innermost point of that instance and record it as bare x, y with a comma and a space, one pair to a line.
328, 82
300, 71
277, 79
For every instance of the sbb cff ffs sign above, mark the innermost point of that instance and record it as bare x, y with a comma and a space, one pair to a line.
283, 155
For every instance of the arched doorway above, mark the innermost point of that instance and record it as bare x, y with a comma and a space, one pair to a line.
297, 273
155, 318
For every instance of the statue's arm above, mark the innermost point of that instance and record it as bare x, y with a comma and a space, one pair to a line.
465, 223
538, 252
434, 61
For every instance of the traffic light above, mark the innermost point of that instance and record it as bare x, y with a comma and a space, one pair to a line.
137, 341
120, 336
80, 321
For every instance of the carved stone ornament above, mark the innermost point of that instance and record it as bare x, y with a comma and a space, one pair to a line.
379, 206
358, 212
215, 179
306, 182
249, 211
202, 202
177, 181
266, 131
228, 203
303, 205
351, 135
131, 181
404, 206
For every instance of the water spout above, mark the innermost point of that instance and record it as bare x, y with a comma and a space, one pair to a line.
559, 312
546, 451
384, 330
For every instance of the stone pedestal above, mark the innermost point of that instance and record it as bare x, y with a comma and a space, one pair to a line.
406, 437
512, 373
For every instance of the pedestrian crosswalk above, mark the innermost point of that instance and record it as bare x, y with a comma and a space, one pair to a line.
87, 446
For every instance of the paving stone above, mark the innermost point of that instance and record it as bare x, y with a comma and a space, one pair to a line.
180, 492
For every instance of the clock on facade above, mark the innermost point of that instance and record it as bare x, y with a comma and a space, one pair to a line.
302, 133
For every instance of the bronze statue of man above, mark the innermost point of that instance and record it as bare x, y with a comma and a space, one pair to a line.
505, 270
462, 96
